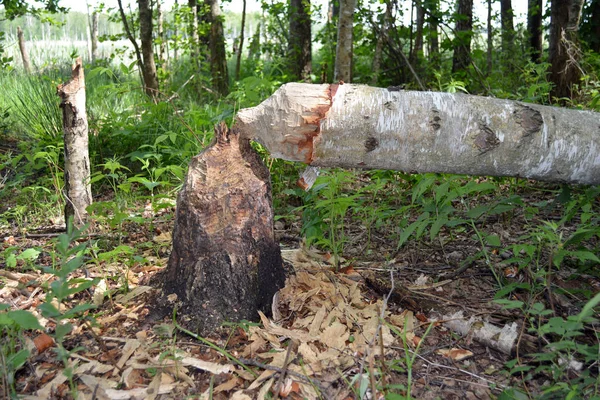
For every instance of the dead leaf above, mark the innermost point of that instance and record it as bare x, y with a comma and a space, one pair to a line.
43, 342
227, 386
455, 354
208, 366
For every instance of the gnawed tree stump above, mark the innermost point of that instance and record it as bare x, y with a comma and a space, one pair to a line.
225, 264
78, 190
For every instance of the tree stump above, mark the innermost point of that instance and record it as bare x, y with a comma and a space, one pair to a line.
225, 264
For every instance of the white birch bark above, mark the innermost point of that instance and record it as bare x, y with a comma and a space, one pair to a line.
78, 190
343, 51
354, 126
23, 49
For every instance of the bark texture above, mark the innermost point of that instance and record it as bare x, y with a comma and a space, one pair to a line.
535, 15
564, 52
218, 58
343, 51
225, 264
299, 44
23, 49
464, 31
148, 67
355, 126
94, 36
507, 24
78, 192
238, 61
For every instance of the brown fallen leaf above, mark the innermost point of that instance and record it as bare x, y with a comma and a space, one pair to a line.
43, 342
455, 354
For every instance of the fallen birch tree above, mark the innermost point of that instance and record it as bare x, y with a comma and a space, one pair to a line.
356, 126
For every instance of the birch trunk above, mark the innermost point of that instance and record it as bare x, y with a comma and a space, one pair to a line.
94, 36
343, 51
24, 54
355, 126
78, 191
148, 67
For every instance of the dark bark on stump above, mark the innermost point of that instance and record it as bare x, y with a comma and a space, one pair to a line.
225, 264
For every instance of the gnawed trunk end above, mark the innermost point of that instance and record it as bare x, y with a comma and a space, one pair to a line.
225, 264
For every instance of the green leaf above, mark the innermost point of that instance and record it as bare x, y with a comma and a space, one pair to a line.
509, 304
25, 319
62, 330
18, 359
493, 240
29, 255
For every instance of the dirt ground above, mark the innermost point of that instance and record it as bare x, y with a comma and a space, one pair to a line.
385, 322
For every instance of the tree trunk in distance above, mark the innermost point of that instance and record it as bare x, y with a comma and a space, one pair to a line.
418, 49
148, 67
161, 35
238, 61
354, 126
464, 32
507, 25
490, 37
78, 192
218, 57
343, 51
195, 36
24, 54
225, 264
376, 66
434, 44
535, 14
136, 47
299, 44
94, 35
564, 51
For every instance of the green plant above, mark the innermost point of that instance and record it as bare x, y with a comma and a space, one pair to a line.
13, 353
67, 258
572, 364
323, 216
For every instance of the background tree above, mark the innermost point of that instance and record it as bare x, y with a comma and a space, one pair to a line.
508, 30
464, 32
299, 42
564, 52
238, 60
144, 55
417, 50
535, 15
343, 51
218, 57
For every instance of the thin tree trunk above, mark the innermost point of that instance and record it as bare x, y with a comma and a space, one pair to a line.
195, 45
94, 34
299, 43
175, 32
225, 264
345, 37
161, 35
490, 37
78, 192
464, 32
534, 27
218, 58
238, 61
564, 51
23, 49
355, 126
148, 67
376, 66
434, 45
508, 32
136, 47
420, 22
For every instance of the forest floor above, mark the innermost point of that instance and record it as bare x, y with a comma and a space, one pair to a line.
385, 322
